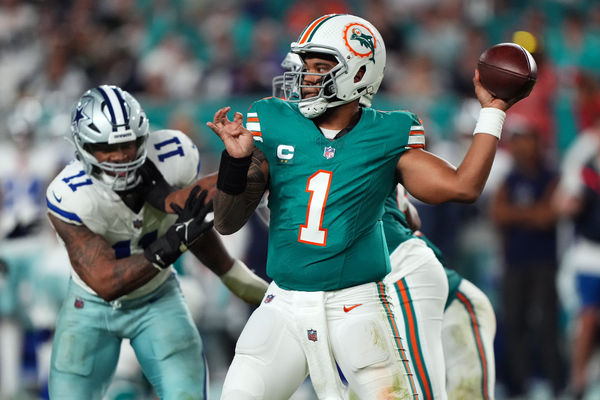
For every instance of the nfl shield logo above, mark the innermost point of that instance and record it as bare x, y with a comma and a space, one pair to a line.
329, 152
137, 223
312, 335
269, 298
78, 302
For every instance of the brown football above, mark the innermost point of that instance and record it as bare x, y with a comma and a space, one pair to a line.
507, 71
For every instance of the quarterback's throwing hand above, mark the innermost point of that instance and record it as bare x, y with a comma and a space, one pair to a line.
237, 139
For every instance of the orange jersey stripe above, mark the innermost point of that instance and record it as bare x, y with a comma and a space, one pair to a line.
478, 341
416, 146
413, 337
417, 133
256, 133
252, 119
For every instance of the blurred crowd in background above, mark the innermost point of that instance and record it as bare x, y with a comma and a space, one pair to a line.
183, 59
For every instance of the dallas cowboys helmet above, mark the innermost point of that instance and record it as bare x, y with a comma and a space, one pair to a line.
108, 115
356, 44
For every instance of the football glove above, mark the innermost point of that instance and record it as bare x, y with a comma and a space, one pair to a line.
189, 226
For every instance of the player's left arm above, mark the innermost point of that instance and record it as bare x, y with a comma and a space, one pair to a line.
238, 278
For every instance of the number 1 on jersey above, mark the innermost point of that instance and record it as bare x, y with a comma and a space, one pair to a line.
312, 231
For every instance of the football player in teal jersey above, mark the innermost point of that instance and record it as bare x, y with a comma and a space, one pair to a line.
417, 287
417, 284
329, 165
468, 326
106, 206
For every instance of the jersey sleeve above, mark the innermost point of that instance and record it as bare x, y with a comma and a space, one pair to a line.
70, 198
253, 125
175, 156
416, 136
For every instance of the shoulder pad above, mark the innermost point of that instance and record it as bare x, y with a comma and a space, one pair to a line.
70, 196
175, 156
265, 108
416, 135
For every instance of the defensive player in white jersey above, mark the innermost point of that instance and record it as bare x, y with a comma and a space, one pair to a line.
329, 166
105, 206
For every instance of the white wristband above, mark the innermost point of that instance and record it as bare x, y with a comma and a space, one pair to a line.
490, 121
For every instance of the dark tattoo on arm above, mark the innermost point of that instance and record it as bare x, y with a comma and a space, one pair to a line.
93, 258
232, 211
210, 251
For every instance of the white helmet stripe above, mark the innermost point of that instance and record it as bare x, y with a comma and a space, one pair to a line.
123, 108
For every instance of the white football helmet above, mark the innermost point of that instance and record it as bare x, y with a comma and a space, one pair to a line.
104, 116
356, 44
291, 62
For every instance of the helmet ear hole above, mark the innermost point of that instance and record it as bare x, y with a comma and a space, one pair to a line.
360, 74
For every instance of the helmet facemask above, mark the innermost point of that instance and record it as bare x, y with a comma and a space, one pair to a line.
117, 176
295, 81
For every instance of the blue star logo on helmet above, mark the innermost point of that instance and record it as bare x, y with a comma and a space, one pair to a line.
79, 114
358, 37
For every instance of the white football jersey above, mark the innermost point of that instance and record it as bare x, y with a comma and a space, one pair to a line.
77, 198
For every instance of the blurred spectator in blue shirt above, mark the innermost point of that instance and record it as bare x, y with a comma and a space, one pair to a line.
522, 210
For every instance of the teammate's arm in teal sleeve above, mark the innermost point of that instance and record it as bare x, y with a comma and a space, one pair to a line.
93, 258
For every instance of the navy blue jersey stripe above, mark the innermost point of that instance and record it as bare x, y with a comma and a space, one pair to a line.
110, 108
123, 108
66, 214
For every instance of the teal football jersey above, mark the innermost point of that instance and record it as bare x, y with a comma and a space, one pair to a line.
395, 224
326, 196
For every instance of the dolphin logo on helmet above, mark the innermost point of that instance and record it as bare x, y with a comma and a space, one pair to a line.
364, 40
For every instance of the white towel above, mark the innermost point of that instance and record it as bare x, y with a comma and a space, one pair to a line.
311, 323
